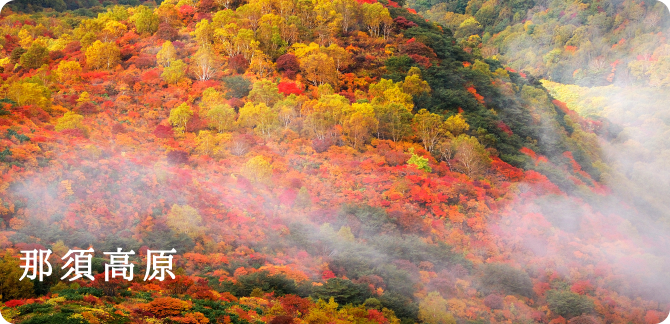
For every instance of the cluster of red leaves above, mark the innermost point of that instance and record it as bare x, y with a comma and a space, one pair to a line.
288, 88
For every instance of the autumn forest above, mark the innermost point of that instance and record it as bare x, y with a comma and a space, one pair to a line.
338, 161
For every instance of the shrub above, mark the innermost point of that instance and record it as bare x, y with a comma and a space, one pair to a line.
505, 279
163, 131
288, 64
288, 88
167, 306
395, 157
86, 108
585, 319
178, 285
402, 23
14, 303
177, 157
167, 32
343, 291
56, 318
238, 63
119, 128
403, 306
493, 301
321, 145
278, 283
237, 86
282, 320
420, 162
568, 304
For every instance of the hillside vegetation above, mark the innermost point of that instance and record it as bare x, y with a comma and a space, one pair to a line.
311, 162
589, 43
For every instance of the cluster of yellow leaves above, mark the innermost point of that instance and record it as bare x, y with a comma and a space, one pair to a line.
257, 169
185, 219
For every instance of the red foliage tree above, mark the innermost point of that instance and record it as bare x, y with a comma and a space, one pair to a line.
15, 303
282, 319
118, 128
76, 132
494, 301
56, 55
288, 88
402, 23
288, 64
196, 123
86, 108
177, 157
293, 304
201, 290
417, 48
10, 43
238, 63
396, 157
179, 285
321, 145
163, 131
205, 6
109, 287
167, 32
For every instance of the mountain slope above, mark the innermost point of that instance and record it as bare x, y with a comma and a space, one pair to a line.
298, 151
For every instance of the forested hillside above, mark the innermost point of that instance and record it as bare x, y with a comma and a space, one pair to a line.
589, 43
311, 162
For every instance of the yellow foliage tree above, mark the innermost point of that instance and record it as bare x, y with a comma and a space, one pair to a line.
428, 127
29, 93
456, 125
377, 19
394, 121
221, 117
207, 143
68, 71
360, 123
167, 54
180, 116
323, 312
257, 169
174, 72
103, 55
145, 20
265, 91
262, 118
10, 285
185, 219
211, 97
70, 120
386, 92
113, 29
320, 68
433, 310
413, 83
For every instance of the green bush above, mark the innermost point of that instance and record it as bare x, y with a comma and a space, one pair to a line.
238, 87
60, 318
568, 304
279, 284
344, 291
35, 308
507, 280
403, 306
